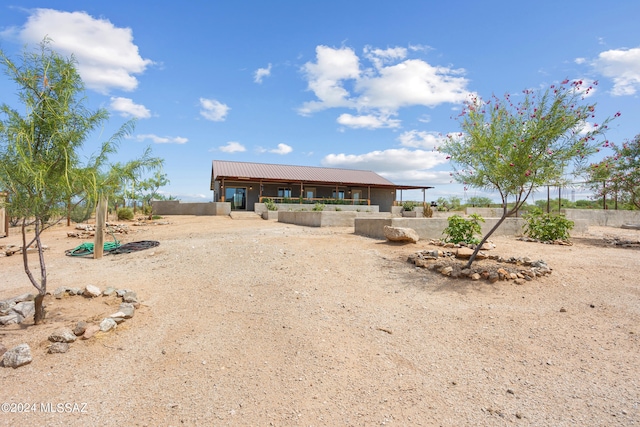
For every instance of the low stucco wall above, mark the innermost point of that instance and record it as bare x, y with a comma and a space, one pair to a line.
326, 218
174, 207
431, 228
603, 218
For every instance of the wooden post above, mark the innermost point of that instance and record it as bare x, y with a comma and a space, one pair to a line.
101, 211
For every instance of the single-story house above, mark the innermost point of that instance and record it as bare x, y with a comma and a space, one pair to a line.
244, 184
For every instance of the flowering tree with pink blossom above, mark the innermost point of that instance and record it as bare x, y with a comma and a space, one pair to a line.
618, 176
515, 147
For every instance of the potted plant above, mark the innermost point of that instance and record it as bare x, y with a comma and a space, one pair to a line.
408, 210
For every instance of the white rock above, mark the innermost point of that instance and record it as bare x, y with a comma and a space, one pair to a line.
107, 324
18, 356
400, 234
92, 291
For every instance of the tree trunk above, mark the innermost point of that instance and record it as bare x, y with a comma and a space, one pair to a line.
39, 315
493, 229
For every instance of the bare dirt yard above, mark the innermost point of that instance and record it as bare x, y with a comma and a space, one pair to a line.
256, 323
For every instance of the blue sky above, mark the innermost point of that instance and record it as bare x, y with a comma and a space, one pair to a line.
350, 84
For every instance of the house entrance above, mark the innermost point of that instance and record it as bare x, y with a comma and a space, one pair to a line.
237, 196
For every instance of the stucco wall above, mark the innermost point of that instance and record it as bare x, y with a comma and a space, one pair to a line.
431, 228
283, 207
326, 218
174, 207
601, 217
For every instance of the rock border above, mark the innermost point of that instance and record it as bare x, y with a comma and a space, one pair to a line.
447, 263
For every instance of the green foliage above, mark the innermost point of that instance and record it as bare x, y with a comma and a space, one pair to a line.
479, 201
462, 230
270, 205
450, 204
125, 214
547, 227
618, 176
81, 212
409, 205
318, 207
427, 212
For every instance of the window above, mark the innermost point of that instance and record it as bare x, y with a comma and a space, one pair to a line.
284, 192
310, 193
340, 194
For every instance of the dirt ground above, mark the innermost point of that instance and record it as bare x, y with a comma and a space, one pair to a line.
255, 323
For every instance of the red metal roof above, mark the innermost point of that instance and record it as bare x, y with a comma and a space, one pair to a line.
246, 170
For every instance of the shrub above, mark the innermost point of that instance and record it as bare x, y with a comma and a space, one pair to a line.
547, 227
463, 230
81, 212
318, 207
270, 205
125, 214
408, 206
428, 212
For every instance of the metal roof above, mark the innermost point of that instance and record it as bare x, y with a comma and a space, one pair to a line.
272, 172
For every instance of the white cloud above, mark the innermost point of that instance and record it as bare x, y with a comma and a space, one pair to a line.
325, 78
623, 67
421, 139
127, 108
580, 61
394, 81
282, 149
261, 73
368, 121
107, 57
232, 147
161, 139
213, 110
387, 161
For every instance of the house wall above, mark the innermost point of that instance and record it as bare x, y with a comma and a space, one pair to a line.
174, 207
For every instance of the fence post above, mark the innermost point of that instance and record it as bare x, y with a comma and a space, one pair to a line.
98, 246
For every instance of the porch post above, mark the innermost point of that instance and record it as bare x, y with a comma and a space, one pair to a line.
222, 190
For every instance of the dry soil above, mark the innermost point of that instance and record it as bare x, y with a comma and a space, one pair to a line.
252, 322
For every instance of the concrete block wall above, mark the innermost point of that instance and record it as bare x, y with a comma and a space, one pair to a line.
174, 207
603, 218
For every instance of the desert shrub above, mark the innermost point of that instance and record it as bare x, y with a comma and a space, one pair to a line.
547, 227
318, 207
408, 206
81, 212
270, 205
462, 230
428, 212
125, 214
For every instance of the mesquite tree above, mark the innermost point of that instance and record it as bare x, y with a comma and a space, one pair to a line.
40, 162
515, 147
619, 175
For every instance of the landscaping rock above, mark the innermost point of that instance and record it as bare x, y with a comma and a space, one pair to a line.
11, 318
130, 297
90, 332
107, 324
400, 234
59, 347
18, 356
128, 309
80, 328
25, 308
60, 292
63, 335
109, 291
465, 253
92, 291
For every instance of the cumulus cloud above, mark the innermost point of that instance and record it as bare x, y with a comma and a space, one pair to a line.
420, 139
339, 78
623, 67
232, 147
368, 121
388, 161
107, 57
161, 139
261, 73
282, 149
127, 108
213, 110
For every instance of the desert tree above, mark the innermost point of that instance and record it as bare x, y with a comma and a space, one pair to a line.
515, 147
618, 175
40, 163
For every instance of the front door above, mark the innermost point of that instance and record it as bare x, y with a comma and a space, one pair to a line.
237, 196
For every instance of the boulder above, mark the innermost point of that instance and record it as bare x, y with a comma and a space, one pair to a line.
465, 253
400, 234
18, 356
25, 308
59, 347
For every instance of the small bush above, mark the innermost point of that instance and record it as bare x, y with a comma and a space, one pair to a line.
270, 205
408, 206
463, 230
318, 207
428, 212
125, 214
547, 227
82, 212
